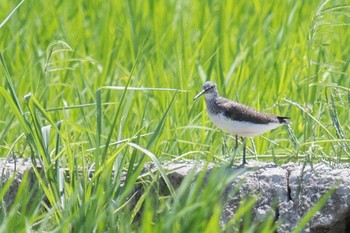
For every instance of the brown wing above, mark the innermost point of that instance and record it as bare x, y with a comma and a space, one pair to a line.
240, 112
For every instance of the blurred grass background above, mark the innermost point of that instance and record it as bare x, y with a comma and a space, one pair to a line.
260, 55
284, 57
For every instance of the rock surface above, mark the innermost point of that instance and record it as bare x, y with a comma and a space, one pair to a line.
13, 167
286, 192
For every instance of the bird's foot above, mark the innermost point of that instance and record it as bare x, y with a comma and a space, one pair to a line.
242, 165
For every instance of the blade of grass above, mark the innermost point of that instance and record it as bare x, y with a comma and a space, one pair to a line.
158, 165
11, 13
314, 209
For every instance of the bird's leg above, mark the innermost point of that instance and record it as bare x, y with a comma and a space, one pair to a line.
244, 149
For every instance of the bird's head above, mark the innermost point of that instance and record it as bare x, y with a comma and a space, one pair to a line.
209, 90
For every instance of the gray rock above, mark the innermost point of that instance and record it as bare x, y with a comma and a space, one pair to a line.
13, 167
285, 192
288, 193
307, 186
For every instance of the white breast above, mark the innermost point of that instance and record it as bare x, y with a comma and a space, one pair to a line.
241, 128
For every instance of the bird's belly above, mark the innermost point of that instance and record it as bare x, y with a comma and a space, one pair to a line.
241, 128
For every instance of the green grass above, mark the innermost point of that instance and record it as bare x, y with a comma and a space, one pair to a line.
61, 64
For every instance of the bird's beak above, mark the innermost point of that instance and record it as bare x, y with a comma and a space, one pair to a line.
199, 94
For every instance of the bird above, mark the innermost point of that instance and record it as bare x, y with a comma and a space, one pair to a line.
238, 119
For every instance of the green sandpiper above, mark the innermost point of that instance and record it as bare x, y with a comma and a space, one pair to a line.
238, 119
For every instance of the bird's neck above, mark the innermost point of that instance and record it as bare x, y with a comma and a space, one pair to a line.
211, 97
211, 102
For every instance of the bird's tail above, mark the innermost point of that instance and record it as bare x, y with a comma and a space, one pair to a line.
284, 120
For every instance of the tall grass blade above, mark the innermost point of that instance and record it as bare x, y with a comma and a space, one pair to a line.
11, 13
314, 209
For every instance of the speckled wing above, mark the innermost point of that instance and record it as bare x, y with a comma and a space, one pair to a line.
241, 112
